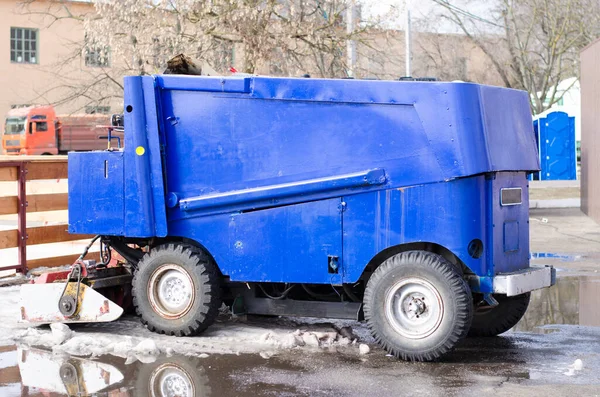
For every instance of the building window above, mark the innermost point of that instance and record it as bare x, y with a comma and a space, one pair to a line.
23, 45
97, 109
97, 56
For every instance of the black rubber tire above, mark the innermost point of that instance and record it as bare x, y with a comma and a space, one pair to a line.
206, 281
497, 320
455, 296
187, 367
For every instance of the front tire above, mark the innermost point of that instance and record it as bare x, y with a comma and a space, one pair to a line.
417, 306
176, 290
492, 321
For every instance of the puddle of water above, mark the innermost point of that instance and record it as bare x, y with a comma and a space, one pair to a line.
552, 255
26, 371
573, 300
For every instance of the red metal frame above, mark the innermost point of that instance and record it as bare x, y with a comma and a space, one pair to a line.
22, 214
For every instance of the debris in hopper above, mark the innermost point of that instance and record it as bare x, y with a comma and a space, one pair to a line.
182, 64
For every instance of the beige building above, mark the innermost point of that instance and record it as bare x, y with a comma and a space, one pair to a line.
45, 60
446, 57
40, 57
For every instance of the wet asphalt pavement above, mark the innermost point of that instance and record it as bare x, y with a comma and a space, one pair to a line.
537, 358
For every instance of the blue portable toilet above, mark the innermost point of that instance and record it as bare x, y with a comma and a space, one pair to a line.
556, 144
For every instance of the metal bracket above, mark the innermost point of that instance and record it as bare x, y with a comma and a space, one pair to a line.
238, 308
67, 304
332, 264
490, 300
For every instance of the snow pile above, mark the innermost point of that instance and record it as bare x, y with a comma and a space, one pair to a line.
60, 333
363, 349
147, 347
574, 368
224, 339
129, 339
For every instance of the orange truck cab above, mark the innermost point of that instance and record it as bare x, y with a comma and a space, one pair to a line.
38, 130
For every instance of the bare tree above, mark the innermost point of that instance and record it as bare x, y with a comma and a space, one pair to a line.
137, 37
532, 44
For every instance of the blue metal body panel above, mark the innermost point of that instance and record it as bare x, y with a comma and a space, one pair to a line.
272, 176
101, 172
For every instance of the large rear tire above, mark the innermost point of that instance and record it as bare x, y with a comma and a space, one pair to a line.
492, 321
176, 290
417, 306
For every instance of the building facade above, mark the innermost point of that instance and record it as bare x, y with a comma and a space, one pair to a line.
41, 56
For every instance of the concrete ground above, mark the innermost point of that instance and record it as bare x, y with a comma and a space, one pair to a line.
554, 194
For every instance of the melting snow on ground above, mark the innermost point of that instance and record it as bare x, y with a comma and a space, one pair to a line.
128, 338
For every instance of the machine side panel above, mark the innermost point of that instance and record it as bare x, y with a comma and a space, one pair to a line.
289, 244
145, 214
509, 222
508, 129
154, 123
223, 144
450, 214
96, 193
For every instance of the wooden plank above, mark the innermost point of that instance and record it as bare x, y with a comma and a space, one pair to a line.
7, 273
8, 173
40, 235
59, 260
52, 234
47, 202
9, 205
9, 238
35, 203
10, 375
22, 157
47, 170
9, 348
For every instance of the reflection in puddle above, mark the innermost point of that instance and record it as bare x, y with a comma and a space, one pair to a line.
26, 371
573, 300
562, 257
39, 369
31, 372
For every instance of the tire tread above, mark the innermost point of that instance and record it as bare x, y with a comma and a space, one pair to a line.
458, 286
210, 298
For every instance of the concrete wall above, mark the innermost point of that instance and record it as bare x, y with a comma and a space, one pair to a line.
590, 130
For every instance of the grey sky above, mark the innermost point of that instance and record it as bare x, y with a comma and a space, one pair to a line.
423, 9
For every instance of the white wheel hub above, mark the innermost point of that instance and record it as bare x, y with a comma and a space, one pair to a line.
171, 291
171, 381
414, 308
